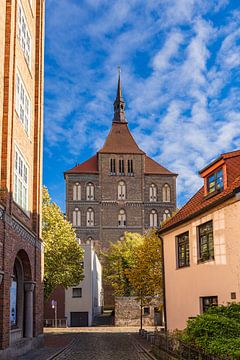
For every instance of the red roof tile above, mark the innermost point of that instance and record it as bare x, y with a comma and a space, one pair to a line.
152, 167
120, 141
89, 166
199, 203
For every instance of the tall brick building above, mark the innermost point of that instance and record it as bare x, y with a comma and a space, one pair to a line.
118, 189
21, 114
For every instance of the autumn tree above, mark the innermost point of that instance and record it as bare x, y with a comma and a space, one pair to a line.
62, 253
117, 260
145, 274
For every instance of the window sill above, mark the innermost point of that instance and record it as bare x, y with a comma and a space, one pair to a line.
202, 261
25, 212
182, 267
212, 194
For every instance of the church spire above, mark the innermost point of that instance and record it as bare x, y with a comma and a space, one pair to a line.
119, 103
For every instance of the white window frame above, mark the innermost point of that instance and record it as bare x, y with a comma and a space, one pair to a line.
166, 215
90, 217
153, 218
24, 34
76, 217
23, 105
122, 218
121, 190
166, 193
90, 192
76, 191
152, 193
21, 180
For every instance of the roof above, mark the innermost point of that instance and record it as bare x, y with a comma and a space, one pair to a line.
120, 141
200, 203
89, 166
152, 167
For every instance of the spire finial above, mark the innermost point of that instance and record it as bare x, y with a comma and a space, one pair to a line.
119, 104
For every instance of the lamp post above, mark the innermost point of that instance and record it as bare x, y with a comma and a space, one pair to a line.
54, 306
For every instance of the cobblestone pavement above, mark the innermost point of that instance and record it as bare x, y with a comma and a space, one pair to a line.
103, 346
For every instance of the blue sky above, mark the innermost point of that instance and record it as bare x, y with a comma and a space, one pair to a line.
180, 63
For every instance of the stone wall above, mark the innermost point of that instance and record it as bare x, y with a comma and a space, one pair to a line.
127, 312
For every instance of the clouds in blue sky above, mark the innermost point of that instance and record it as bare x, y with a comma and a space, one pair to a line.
180, 72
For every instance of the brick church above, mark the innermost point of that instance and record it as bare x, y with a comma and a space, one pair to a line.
118, 189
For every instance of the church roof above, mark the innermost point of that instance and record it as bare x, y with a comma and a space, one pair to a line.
120, 141
89, 166
152, 167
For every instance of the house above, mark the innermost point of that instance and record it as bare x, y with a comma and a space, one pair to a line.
201, 245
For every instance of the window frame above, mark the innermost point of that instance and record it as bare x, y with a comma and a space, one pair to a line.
76, 217
23, 111
166, 193
153, 218
153, 193
210, 250
24, 34
203, 307
113, 166
122, 218
122, 190
121, 167
186, 247
130, 167
166, 215
76, 191
90, 217
215, 188
21, 167
90, 191
76, 296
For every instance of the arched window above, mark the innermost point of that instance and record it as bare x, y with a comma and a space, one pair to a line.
166, 215
153, 193
76, 191
90, 217
121, 190
90, 191
122, 218
76, 217
166, 193
153, 218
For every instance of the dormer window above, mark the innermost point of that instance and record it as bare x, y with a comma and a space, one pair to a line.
215, 181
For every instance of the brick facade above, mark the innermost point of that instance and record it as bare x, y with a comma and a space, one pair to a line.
106, 205
20, 231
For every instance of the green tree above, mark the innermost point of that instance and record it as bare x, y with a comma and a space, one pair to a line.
145, 273
62, 254
117, 259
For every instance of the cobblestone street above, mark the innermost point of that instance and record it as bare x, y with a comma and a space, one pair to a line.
98, 343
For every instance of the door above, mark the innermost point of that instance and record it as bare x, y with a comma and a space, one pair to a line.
79, 319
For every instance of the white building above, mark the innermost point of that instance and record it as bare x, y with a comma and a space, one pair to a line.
84, 301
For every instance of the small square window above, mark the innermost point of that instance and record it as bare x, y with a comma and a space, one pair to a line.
208, 301
215, 181
77, 292
146, 311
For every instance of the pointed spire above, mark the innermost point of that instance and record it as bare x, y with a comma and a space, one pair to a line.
119, 103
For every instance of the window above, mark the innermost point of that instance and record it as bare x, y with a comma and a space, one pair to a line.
153, 193
77, 292
205, 242
20, 180
13, 299
153, 218
23, 104
207, 301
215, 181
130, 168
166, 215
121, 190
90, 191
112, 166
121, 167
77, 191
122, 218
166, 193
24, 34
146, 311
90, 217
183, 250
76, 217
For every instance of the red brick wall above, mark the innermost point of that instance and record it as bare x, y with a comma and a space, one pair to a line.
58, 295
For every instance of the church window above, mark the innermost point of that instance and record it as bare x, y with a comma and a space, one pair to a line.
130, 167
90, 217
166, 215
76, 191
76, 217
166, 193
122, 218
23, 104
153, 193
121, 190
153, 218
121, 167
112, 166
90, 191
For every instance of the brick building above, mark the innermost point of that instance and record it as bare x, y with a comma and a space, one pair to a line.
21, 113
118, 189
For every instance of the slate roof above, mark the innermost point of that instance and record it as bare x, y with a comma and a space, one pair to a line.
200, 203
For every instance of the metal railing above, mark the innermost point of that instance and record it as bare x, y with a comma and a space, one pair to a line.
176, 348
60, 323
